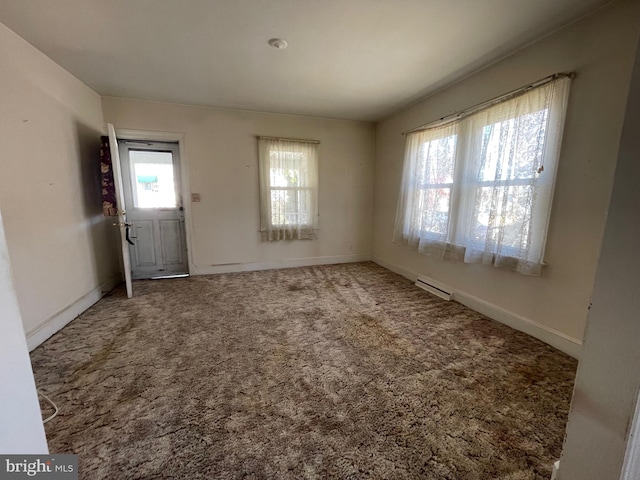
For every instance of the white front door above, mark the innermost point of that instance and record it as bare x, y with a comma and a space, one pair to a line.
122, 214
153, 201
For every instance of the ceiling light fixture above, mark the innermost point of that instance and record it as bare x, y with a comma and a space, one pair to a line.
278, 43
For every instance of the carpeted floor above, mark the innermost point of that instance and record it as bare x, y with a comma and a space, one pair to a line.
341, 371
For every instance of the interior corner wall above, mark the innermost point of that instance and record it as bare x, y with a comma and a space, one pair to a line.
600, 49
601, 424
63, 251
221, 152
22, 430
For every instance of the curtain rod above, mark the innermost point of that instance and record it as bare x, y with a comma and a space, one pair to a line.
289, 139
489, 103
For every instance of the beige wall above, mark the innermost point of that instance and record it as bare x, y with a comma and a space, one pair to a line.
61, 248
600, 49
600, 427
221, 154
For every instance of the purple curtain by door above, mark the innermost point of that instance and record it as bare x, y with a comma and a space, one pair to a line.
109, 204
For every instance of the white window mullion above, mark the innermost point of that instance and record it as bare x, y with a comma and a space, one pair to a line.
459, 192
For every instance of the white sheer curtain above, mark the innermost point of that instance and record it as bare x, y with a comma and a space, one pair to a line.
288, 189
479, 189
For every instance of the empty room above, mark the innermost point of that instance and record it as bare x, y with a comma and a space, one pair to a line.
387, 239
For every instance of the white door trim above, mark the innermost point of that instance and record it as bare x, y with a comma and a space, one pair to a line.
631, 466
184, 176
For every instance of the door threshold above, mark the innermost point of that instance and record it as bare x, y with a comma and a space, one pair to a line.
177, 275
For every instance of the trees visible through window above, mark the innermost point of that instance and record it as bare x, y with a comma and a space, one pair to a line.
479, 188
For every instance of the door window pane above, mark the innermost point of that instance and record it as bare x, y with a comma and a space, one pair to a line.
152, 179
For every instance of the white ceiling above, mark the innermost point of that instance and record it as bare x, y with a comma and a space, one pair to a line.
353, 59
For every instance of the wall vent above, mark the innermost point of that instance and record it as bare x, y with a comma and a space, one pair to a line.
434, 287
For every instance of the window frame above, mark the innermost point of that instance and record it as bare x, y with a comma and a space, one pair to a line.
307, 175
464, 206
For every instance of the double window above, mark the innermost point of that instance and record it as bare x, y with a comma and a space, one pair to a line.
288, 188
479, 188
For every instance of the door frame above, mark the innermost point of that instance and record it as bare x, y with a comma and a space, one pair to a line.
184, 177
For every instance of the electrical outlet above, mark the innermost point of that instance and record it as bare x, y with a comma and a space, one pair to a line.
195, 197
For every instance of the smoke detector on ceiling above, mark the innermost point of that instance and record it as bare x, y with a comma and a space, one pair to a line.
278, 43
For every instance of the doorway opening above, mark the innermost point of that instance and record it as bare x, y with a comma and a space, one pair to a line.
154, 207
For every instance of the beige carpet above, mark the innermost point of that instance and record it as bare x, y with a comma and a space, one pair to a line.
342, 371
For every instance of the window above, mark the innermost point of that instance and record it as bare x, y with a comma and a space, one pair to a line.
152, 179
479, 188
288, 189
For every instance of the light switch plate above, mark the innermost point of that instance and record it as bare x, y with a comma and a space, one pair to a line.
195, 197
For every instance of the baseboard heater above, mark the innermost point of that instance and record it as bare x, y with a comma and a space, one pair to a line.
434, 287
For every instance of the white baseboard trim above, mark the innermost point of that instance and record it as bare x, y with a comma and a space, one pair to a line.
552, 337
556, 339
277, 264
36, 336
410, 274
